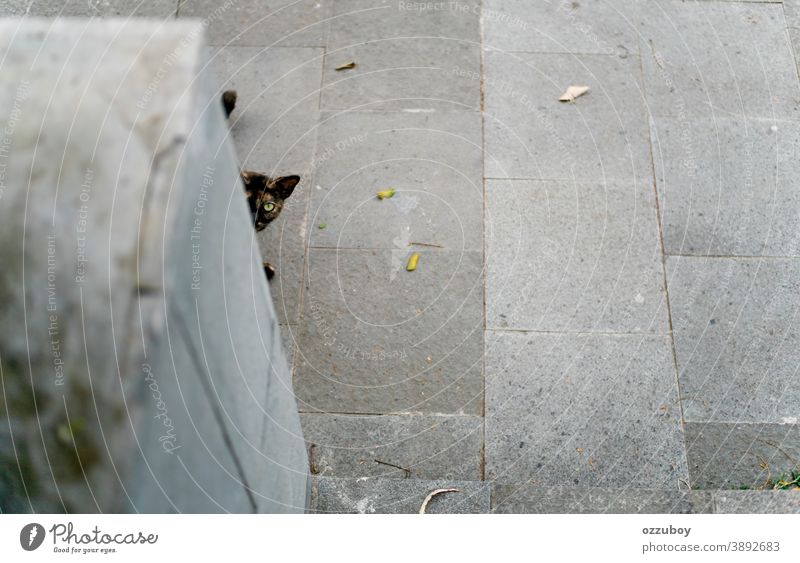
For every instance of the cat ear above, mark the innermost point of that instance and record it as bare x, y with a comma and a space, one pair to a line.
255, 181
285, 185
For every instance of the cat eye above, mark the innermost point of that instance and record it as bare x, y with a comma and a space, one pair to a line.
269, 206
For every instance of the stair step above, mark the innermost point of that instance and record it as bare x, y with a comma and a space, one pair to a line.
527, 499
757, 502
383, 495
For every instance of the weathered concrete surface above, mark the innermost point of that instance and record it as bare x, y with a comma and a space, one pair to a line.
141, 360
556, 264
716, 59
265, 23
431, 159
376, 495
757, 502
404, 446
529, 134
422, 355
742, 205
730, 455
160, 9
530, 499
406, 59
737, 341
586, 410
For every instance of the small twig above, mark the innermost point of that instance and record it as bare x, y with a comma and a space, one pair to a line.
311, 462
685, 482
425, 244
403, 469
433, 494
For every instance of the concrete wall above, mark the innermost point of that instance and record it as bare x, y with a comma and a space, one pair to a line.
140, 357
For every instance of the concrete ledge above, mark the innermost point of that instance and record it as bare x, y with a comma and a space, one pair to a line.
141, 360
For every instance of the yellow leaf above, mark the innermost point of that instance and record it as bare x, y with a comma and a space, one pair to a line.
412, 262
385, 194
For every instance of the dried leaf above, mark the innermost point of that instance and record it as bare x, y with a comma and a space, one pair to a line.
579, 450
346, 66
433, 494
385, 194
572, 93
412, 262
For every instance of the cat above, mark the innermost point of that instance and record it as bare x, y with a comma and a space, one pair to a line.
265, 195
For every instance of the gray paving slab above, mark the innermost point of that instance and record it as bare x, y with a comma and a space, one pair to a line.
90, 8
727, 186
704, 59
757, 502
371, 495
405, 58
568, 256
732, 456
432, 160
528, 499
583, 410
735, 325
267, 23
429, 447
562, 26
359, 21
530, 134
275, 120
376, 338
274, 131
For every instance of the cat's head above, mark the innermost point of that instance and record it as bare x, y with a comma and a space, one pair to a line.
266, 195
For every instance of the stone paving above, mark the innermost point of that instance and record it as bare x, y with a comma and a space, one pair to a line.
604, 315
